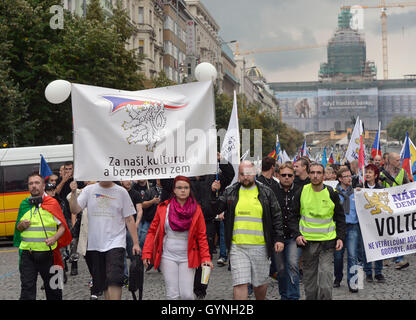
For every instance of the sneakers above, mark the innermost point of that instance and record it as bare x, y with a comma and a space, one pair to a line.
380, 278
337, 284
353, 290
93, 297
222, 262
401, 265
369, 278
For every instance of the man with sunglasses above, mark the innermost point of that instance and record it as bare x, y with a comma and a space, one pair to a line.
288, 259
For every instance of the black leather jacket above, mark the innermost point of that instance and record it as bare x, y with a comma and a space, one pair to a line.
286, 202
272, 216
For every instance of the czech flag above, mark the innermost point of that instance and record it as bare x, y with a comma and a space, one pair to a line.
44, 171
304, 149
331, 158
376, 148
407, 157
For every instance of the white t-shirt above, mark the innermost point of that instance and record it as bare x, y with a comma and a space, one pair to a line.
175, 243
107, 210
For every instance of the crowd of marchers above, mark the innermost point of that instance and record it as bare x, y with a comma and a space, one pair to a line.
282, 221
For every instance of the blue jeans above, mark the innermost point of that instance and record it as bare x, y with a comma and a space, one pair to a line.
223, 248
143, 228
287, 264
353, 244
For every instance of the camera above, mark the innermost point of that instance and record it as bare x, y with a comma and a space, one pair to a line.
35, 201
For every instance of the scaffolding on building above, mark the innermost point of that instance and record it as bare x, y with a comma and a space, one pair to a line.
346, 52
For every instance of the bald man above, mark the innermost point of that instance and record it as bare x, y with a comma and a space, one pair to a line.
377, 161
253, 228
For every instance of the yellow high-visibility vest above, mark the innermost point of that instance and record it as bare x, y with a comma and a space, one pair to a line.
399, 178
316, 215
33, 238
248, 222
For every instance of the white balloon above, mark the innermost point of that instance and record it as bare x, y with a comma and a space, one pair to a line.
58, 91
205, 71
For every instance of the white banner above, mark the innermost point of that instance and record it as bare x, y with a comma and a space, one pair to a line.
148, 134
230, 149
387, 220
354, 144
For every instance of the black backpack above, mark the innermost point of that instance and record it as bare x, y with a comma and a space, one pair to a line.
136, 276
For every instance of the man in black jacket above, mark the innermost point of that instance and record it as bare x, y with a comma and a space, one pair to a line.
288, 260
253, 228
301, 167
205, 190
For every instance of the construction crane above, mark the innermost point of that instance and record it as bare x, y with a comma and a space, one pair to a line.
383, 6
237, 51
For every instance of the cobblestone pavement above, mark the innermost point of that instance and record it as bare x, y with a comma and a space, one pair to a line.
399, 285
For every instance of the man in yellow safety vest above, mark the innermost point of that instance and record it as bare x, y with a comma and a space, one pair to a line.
318, 225
253, 228
40, 231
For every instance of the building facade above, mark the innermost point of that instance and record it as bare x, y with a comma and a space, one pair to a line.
347, 88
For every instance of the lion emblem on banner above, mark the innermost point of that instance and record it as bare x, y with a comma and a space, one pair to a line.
378, 201
146, 124
146, 118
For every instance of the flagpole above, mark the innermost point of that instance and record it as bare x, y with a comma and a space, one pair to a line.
379, 137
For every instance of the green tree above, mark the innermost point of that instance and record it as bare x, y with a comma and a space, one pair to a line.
250, 117
89, 51
95, 12
15, 119
162, 80
398, 127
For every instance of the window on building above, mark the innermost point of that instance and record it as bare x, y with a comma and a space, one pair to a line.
141, 15
141, 46
169, 24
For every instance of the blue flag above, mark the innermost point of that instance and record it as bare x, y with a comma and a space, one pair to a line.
324, 160
45, 171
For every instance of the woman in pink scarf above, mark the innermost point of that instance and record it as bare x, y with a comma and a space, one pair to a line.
177, 241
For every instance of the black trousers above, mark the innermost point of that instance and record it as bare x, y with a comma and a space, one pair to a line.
199, 288
33, 263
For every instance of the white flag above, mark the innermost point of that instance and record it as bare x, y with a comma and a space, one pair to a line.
156, 133
285, 157
354, 145
230, 150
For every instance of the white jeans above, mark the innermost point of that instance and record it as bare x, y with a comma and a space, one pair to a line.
179, 279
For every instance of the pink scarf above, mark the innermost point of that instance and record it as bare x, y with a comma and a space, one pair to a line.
180, 218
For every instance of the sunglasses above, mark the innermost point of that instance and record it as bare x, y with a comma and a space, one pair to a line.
290, 175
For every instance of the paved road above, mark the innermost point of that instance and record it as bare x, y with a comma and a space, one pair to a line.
399, 285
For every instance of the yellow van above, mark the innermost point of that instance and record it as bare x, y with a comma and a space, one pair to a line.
16, 164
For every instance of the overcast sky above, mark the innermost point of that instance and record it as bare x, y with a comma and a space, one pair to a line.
273, 23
